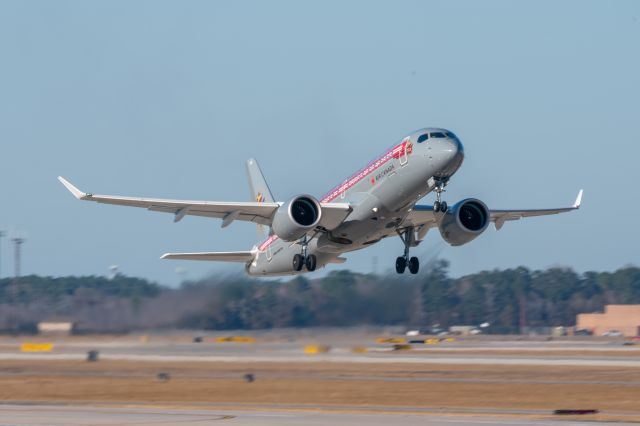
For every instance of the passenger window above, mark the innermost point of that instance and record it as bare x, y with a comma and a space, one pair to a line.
423, 138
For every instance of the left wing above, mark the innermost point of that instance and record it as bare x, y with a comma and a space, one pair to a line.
499, 217
259, 212
423, 218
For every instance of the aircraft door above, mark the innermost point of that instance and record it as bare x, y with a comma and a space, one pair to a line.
403, 151
404, 155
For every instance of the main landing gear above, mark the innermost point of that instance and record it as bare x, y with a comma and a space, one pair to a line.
304, 259
403, 262
310, 261
440, 206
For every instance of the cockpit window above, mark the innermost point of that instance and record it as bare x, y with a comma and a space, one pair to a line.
438, 135
451, 135
423, 138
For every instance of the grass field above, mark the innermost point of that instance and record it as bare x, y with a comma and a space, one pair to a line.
318, 384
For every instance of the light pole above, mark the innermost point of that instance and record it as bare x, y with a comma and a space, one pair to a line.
18, 241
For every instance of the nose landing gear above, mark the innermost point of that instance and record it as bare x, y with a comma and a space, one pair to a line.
440, 206
402, 262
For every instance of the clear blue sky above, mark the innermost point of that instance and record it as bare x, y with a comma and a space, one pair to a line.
168, 99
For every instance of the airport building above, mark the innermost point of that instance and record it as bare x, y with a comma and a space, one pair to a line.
55, 327
622, 318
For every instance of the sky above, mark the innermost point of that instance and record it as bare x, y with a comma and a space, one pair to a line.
169, 98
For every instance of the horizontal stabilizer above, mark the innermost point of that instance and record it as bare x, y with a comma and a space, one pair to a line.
223, 256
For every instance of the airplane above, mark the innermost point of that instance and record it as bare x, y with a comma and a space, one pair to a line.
378, 201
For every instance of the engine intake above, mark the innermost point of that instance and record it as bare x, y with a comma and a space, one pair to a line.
296, 217
464, 222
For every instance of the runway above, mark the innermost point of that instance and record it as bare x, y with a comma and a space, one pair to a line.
518, 382
41, 415
388, 358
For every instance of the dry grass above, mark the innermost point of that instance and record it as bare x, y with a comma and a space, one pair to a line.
320, 384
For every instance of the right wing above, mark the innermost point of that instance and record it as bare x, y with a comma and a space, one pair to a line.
228, 211
228, 256
259, 212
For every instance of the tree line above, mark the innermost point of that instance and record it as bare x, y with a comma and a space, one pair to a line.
503, 298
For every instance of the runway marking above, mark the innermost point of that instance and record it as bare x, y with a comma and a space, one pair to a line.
76, 415
380, 359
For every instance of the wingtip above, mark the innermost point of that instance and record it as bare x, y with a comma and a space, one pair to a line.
578, 199
72, 189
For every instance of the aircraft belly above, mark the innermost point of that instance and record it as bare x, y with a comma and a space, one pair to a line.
279, 261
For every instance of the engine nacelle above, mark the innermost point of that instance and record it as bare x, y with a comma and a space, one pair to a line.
464, 222
296, 217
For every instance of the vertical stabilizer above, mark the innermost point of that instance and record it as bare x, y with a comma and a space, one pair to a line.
260, 191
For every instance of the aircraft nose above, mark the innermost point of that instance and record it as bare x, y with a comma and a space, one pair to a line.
452, 148
457, 153
459, 150
451, 156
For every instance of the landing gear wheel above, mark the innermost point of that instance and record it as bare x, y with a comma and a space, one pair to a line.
401, 264
311, 262
439, 205
298, 261
414, 265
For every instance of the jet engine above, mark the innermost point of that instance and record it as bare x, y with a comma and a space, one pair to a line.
464, 221
296, 217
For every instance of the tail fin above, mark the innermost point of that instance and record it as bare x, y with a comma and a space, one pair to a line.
260, 191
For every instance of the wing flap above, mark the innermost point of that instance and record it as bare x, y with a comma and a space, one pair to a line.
228, 256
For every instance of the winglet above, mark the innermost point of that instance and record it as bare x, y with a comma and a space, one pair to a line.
576, 205
75, 191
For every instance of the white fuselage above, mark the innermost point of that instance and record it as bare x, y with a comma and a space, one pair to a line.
382, 194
